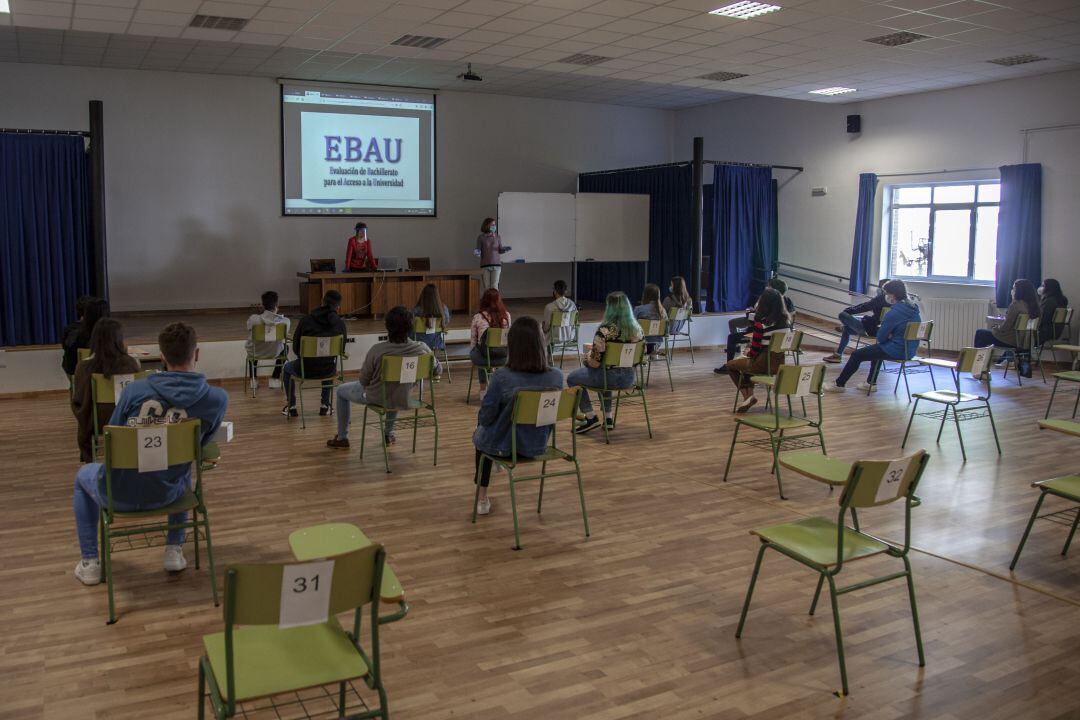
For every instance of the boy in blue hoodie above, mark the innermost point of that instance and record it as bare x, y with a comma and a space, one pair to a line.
890, 339
177, 394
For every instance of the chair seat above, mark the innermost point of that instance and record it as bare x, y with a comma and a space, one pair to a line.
268, 660
767, 380
938, 362
414, 404
768, 422
1069, 427
1070, 375
186, 502
1068, 348
815, 540
321, 541
551, 453
949, 397
816, 466
1067, 487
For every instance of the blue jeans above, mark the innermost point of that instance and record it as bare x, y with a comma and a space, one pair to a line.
87, 502
618, 379
852, 326
291, 370
347, 394
432, 340
479, 359
873, 353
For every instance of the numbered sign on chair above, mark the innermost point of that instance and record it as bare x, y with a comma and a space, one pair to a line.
892, 480
1033, 324
680, 314
626, 355
787, 341
981, 362
653, 327
119, 382
322, 346
305, 593
564, 320
806, 376
153, 448
924, 328
432, 325
548, 410
408, 369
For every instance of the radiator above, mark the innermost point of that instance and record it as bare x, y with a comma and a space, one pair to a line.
955, 320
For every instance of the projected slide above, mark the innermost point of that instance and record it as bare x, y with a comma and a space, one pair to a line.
354, 151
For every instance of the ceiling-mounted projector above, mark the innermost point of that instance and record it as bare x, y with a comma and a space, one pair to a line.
469, 75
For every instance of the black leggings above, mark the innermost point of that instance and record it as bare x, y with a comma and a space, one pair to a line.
485, 468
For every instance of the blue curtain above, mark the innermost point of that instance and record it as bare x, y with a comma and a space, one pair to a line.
671, 193
864, 234
1019, 233
46, 257
742, 248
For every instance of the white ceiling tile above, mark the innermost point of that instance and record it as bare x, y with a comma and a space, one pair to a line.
103, 12
227, 9
555, 31
537, 13
492, 8
510, 25
100, 26
486, 36
139, 28
41, 7
630, 26
585, 20
187, 6
461, 19
410, 12
599, 37
618, 8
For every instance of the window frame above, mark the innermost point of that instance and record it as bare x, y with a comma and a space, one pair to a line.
889, 205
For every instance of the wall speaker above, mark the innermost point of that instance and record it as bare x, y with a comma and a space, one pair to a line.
854, 123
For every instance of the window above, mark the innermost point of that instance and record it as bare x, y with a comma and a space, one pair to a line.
944, 231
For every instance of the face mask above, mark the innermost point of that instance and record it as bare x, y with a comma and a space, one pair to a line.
671, 289
494, 229
890, 299
1041, 291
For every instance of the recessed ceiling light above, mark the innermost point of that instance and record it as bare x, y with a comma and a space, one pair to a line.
832, 91
744, 10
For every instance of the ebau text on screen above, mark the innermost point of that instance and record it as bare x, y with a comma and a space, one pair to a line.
354, 149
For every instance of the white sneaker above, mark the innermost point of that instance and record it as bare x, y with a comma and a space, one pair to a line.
866, 387
253, 384
483, 506
88, 572
275, 384
174, 558
833, 388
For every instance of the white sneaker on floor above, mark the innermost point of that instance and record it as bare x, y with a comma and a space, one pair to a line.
866, 387
88, 572
275, 384
174, 558
483, 506
253, 384
831, 387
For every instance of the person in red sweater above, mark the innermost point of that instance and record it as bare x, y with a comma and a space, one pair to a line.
358, 256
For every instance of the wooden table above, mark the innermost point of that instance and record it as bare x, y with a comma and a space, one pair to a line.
373, 293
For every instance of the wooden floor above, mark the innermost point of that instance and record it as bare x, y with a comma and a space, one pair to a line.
635, 622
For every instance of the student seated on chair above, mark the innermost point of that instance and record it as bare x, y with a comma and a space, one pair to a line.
526, 369
1051, 300
559, 303
492, 314
890, 340
267, 350
178, 393
108, 357
769, 315
650, 309
431, 307
77, 337
368, 390
678, 297
1024, 300
322, 322
618, 326
853, 322
739, 328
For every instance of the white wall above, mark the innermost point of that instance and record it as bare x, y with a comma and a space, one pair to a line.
193, 180
976, 126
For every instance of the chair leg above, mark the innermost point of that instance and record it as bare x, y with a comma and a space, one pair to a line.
603, 416
209, 554
1072, 531
817, 593
839, 635
776, 462
1052, 394
690, 343
195, 534
341, 700
202, 691
303, 415
416, 418
750, 591
731, 452
1027, 530
540, 495
960, 435
363, 432
933, 381
382, 439
910, 420
901, 371
914, 611
1076, 402
468, 393
435, 451
993, 426
106, 556
513, 507
581, 496
944, 417
907, 387
476, 482
645, 407
667, 361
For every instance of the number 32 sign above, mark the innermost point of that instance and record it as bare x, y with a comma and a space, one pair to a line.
305, 594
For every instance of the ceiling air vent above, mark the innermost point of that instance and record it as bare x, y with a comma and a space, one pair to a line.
583, 59
895, 39
421, 41
218, 22
1016, 60
721, 76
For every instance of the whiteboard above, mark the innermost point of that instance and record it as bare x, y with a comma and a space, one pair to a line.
612, 227
538, 227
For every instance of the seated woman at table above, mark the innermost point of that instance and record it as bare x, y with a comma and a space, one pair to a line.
769, 315
109, 357
1024, 300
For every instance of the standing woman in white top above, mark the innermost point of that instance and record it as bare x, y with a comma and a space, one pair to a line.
489, 247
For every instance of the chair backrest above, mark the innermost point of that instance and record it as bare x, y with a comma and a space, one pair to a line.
799, 380
785, 341
880, 482
623, 355
406, 369
678, 314
653, 328
152, 447
268, 333
975, 361
1063, 316
302, 593
313, 347
83, 353
545, 407
920, 331
495, 337
108, 389
427, 325
1021, 324
564, 319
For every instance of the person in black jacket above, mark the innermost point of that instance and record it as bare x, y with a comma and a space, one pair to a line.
322, 322
77, 335
855, 324
1050, 299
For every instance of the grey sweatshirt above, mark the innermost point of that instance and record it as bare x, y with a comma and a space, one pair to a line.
370, 372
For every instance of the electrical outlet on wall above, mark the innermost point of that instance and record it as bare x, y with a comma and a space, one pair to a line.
819, 191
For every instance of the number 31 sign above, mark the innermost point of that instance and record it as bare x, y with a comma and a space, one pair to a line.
305, 593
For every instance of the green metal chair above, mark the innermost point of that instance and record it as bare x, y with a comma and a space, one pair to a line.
571, 324
1068, 376
433, 326
1023, 329
107, 390
790, 381
329, 539
920, 332
413, 370
780, 341
679, 321
1067, 487
282, 637
320, 347
976, 362
1061, 338
123, 446
826, 547
252, 363
622, 355
657, 328
494, 338
539, 408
